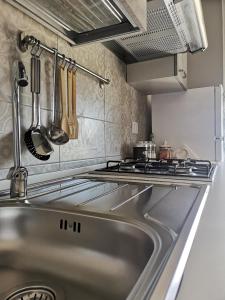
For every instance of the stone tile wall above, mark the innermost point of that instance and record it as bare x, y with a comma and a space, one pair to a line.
105, 115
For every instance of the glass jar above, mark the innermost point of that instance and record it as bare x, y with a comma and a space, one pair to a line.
144, 150
165, 151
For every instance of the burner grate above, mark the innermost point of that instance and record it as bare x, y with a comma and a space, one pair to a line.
171, 167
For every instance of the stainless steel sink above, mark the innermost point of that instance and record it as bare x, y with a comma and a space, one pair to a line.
70, 255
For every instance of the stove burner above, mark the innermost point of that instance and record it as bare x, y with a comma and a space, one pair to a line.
127, 166
171, 167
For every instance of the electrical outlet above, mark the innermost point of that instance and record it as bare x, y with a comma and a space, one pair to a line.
135, 127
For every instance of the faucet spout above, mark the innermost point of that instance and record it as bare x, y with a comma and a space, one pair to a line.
18, 174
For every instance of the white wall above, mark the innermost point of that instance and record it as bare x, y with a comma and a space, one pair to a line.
223, 26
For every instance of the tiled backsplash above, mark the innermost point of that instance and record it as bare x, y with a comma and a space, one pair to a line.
105, 115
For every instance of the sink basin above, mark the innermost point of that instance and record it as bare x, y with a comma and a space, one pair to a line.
61, 255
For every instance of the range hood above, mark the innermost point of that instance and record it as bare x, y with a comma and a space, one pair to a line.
172, 27
84, 21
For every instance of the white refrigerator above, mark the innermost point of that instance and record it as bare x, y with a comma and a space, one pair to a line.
191, 120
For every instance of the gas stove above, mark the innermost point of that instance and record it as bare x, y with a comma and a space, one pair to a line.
177, 169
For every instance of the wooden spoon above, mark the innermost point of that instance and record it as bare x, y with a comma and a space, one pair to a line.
71, 80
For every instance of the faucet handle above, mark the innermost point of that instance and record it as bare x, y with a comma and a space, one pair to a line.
18, 187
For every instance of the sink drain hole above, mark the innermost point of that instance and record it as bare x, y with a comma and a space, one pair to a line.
33, 293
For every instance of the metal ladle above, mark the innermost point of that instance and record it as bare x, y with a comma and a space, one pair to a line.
55, 133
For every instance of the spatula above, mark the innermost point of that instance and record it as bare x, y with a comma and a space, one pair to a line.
74, 98
71, 120
63, 96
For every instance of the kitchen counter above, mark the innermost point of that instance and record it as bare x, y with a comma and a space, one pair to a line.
205, 270
170, 212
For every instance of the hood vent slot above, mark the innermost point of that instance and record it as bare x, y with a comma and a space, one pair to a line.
171, 28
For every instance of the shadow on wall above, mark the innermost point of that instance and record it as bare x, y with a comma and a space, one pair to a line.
126, 150
48, 83
6, 150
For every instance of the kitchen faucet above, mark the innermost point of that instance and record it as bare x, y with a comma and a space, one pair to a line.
18, 174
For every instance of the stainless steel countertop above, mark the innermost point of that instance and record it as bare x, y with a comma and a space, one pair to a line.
205, 270
169, 279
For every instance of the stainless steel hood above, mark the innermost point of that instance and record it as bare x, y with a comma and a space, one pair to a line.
84, 21
172, 27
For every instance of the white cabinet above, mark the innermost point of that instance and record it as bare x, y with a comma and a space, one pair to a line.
161, 75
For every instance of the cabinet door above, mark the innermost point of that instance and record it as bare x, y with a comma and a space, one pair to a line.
160, 75
181, 69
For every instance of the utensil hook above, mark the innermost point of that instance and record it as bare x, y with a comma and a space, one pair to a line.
74, 66
63, 61
35, 49
70, 65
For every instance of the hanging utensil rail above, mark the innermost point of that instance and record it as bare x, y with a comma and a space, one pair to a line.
28, 40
